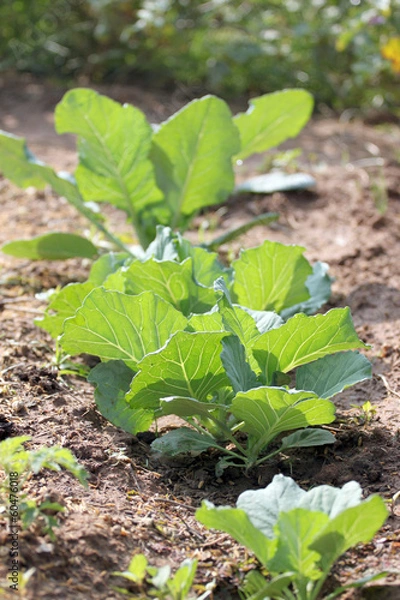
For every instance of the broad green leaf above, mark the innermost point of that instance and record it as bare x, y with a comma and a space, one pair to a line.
136, 570
19, 165
233, 358
192, 153
237, 523
271, 277
181, 583
210, 321
183, 440
113, 325
304, 339
186, 407
63, 305
307, 438
112, 380
188, 365
171, 281
356, 524
268, 411
238, 321
277, 181
319, 286
235, 318
106, 265
271, 119
295, 531
206, 266
114, 142
51, 246
333, 373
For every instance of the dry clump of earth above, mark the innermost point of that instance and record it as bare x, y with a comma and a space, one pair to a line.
136, 502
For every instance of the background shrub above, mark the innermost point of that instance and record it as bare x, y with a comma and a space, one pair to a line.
331, 47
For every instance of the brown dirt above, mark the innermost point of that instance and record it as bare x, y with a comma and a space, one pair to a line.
135, 502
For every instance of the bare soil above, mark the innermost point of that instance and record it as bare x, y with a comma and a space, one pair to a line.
136, 502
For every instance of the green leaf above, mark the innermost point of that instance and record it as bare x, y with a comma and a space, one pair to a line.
319, 286
188, 365
51, 246
271, 119
235, 318
63, 305
233, 358
206, 266
277, 181
268, 411
237, 523
192, 153
333, 373
356, 524
184, 407
106, 265
55, 458
179, 585
113, 325
271, 276
171, 281
114, 143
183, 440
113, 380
210, 321
20, 166
307, 438
295, 531
304, 339
13, 456
136, 571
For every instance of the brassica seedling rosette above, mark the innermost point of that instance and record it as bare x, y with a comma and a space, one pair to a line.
162, 174
297, 535
178, 333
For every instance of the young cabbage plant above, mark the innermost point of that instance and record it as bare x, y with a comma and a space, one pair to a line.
17, 465
282, 280
224, 371
297, 535
163, 174
159, 582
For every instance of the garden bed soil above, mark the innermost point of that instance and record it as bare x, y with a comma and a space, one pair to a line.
136, 502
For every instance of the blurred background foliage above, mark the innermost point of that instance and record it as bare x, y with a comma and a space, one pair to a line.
345, 52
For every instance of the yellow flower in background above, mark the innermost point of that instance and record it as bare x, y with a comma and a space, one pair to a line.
391, 51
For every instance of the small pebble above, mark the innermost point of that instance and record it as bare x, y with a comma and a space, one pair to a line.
18, 406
